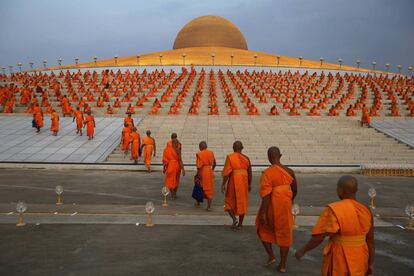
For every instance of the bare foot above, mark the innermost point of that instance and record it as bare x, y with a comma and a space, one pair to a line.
281, 269
270, 261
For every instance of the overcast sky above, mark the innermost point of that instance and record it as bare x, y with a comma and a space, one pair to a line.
350, 29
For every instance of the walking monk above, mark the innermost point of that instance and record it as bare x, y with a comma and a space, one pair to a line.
38, 117
126, 138
90, 125
135, 144
237, 182
206, 162
78, 116
349, 226
274, 221
148, 148
54, 127
173, 165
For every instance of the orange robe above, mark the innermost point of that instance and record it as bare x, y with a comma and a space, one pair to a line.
204, 162
348, 222
171, 162
365, 119
148, 143
135, 144
38, 116
79, 119
55, 122
276, 181
236, 197
126, 138
90, 125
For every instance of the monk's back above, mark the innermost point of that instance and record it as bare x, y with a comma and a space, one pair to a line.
353, 217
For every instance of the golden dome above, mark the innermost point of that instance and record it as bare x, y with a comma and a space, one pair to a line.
210, 31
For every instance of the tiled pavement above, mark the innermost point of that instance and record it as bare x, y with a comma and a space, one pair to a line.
19, 142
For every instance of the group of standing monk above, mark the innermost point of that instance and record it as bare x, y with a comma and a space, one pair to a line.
82, 121
347, 223
131, 140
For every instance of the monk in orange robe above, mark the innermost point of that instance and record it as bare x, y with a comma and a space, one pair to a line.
314, 111
237, 181
117, 103
78, 116
350, 111
135, 144
38, 117
273, 111
90, 125
109, 110
54, 128
278, 189
350, 228
129, 121
173, 165
148, 149
206, 162
126, 138
365, 118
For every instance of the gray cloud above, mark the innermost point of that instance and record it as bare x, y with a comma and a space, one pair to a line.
371, 29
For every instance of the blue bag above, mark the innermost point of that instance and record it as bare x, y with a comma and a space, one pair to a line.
198, 193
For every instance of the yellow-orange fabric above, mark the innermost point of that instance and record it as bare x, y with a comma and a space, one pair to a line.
171, 162
148, 143
236, 197
275, 181
348, 222
204, 162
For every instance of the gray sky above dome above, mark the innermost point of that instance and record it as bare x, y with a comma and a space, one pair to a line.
371, 29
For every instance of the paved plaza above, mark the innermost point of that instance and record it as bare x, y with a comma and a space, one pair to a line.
99, 230
21, 143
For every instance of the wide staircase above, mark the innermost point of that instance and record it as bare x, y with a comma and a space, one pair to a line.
302, 140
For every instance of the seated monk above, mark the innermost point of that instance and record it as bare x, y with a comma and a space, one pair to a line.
117, 103
193, 110
373, 112
100, 102
154, 110
274, 111
411, 112
333, 111
395, 112
213, 110
263, 99
294, 111
233, 110
8, 107
130, 109
157, 103
109, 110
350, 111
314, 111
173, 110
304, 105
253, 111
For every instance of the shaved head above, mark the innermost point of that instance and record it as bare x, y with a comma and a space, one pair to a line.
202, 145
237, 146
148, 132
273, 154
173, 135
347, 187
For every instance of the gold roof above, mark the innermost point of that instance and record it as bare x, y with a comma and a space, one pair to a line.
210, 31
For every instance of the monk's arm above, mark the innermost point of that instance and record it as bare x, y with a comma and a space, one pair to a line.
315, 241
214, 164
249, 175
155, 147
263, 208
371, 248
224, 183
